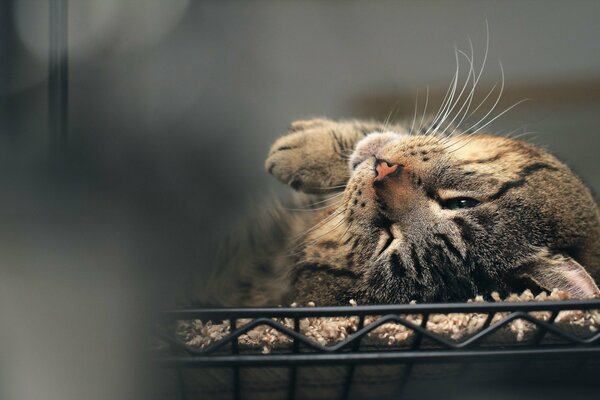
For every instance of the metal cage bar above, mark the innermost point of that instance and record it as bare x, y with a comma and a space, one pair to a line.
58, 76
220, 314
348, 351
517, 311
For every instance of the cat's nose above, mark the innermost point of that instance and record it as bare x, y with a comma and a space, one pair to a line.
384, 169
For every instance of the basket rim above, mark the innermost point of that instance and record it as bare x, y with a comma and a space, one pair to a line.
364, 310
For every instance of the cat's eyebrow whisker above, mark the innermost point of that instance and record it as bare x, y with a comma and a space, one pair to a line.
483, 63
473, 133
460, 95
451, 102
467, 80
520, 135
484, 100
474, 86
391, 113
443, 104
415, 114
451, 141
424, 109
471, 95
476, 81
448, 101
495, 103
469, 139
447, 140
499, 115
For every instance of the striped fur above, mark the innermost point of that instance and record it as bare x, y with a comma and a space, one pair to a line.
396, 243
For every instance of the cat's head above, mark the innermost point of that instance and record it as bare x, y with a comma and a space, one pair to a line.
444, 218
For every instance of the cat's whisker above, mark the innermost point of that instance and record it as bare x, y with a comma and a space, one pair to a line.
330, 187
469, 98
299, 246
451, 141
473, 133
492, 90
424, 109
453, 98
325, 199
495, 103
310, 208
520, 135
476, 81
460, 95
391, 113
321, 223
442, 105
444, 130
443, 112
315, 239
415, 114
345, 232
468, 140
499, 115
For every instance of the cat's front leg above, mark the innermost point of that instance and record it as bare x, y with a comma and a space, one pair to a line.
313, 156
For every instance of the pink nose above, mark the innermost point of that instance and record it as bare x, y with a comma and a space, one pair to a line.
383, 169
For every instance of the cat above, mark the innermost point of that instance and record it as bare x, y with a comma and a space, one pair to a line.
425, 216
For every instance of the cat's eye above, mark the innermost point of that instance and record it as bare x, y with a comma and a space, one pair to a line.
459, 203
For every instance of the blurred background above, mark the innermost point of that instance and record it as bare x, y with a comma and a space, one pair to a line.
133, 135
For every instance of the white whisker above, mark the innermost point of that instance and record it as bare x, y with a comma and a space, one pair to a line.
452, 102
495, 103
443, 113
415, 114
390, 114
424, 110
315, 239
485, 56
443, 104
471, 71
501, 114
319, 224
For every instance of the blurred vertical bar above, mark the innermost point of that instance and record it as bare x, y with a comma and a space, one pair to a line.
7, 40
58, 83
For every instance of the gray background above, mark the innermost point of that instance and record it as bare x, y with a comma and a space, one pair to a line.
173, 105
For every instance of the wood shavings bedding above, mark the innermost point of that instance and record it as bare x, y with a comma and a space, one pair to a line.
454, 326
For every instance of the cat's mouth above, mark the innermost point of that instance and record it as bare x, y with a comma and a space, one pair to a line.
388, 233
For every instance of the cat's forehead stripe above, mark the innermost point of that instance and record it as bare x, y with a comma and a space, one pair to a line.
522, 180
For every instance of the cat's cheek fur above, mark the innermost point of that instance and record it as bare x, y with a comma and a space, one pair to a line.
370, 145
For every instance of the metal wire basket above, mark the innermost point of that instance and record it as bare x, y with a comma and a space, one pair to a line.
343, 366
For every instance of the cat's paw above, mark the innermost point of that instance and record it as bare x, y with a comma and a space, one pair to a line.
311, 157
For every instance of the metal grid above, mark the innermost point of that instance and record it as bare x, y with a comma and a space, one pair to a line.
225, 353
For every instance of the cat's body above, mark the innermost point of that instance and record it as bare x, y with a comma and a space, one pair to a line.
420, 216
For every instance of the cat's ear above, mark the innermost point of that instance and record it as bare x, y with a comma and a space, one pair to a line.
550, 272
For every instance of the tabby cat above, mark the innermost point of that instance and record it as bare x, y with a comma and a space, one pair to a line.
416, 216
